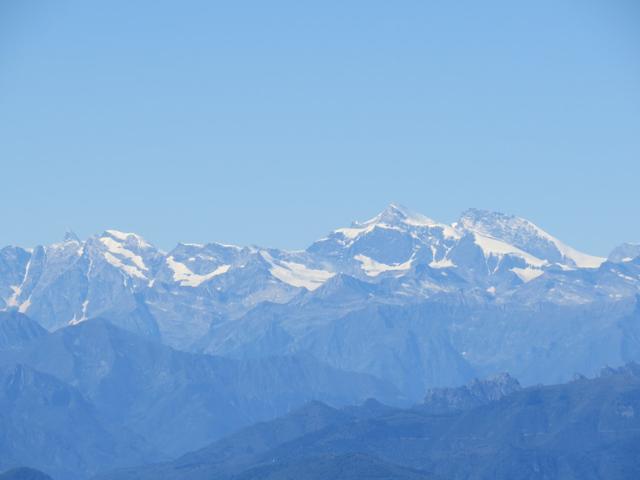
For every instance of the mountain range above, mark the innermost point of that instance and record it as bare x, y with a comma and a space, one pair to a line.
400, 296
150, 354
94, 395
584, 429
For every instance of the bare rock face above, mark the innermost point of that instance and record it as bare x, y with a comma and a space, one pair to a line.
478, 392
624, 253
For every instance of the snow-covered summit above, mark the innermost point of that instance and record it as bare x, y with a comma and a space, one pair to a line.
397, 240
127, 252
394, 217
131, 239
397, 215
526, 236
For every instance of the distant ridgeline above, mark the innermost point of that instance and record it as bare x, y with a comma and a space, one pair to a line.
23, 473
114, 353
582, 429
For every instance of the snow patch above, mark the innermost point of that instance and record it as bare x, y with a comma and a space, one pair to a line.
442, 263
296, 274
449, 231
125, 236
626, 277
581, 260
522, 226
491, 246
527, 274
17, 291
229, 245
117, 248
83, 315
24, 306
187, 278
128, 269
354, 232
12, 301
373, 268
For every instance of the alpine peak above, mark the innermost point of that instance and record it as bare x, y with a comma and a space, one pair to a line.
396, 214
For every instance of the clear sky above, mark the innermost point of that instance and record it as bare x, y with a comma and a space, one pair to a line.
271, 123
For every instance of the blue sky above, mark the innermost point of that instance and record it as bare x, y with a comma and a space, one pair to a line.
275, 122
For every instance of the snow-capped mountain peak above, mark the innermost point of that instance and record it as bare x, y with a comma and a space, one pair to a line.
131, 239
394, 217
397, 215
525, 236
482, 246
127, 252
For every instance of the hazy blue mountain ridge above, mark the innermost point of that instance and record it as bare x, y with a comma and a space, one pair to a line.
587, 428
24, 473
133, 400
415, 302
208, 338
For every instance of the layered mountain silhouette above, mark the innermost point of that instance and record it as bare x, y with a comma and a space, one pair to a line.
588, 428
147, 354
94, 395
414, 302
